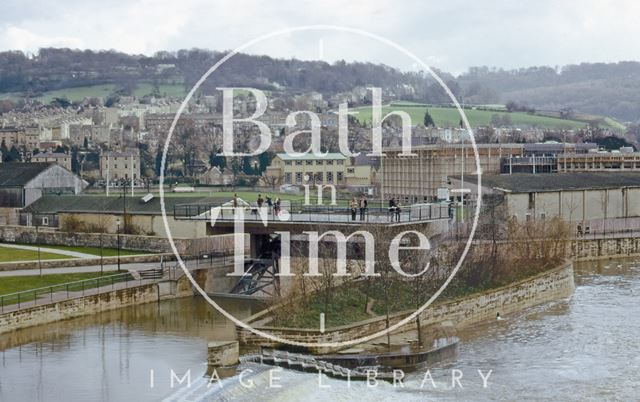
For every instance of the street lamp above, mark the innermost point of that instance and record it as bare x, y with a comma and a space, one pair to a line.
38, 242
118, 241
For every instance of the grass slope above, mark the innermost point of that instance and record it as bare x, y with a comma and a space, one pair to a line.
449, 117
77, 94
13, 254
12, 284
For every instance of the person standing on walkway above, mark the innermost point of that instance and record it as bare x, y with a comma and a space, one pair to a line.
276, 206
397, 211
363, 207
260, 201
269, 203
353, 205
235, 201
392, 208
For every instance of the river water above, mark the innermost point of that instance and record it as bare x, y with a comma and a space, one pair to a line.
585, 348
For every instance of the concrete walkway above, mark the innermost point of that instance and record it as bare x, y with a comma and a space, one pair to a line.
69, 253
138, 266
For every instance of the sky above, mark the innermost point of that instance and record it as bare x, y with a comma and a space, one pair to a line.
450, 35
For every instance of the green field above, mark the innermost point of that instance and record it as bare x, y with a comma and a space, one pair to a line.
450, 117
11, 284
173, 90
13, 254
77, 94
44, 286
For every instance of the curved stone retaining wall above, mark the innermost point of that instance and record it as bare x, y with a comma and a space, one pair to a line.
552, 285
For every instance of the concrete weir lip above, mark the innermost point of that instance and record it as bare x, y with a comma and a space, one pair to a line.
223, 353
361, 34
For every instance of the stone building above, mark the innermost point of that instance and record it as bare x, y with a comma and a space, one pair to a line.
120, 165
21, 184
60, 158
333, 168
213, 177
97, 213
602, 201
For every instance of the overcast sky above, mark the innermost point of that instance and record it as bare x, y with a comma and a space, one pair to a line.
451, 34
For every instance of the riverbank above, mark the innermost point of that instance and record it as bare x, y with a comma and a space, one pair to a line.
554, 284
584, 348
93, 301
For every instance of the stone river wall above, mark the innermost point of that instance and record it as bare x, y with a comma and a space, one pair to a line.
552, 285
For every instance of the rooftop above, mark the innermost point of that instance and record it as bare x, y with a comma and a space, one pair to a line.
310, 156
112, 204
120, 153
528, 182
50, 155
17, 174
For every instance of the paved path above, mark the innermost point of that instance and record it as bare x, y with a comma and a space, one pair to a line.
138, 266
69, 253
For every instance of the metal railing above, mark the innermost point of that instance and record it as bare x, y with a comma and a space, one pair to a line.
66, 291
297, 211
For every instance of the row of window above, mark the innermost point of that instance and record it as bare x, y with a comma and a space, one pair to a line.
318, 162
115, 166
318, 177
126, 176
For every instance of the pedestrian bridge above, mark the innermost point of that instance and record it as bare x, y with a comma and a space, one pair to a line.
297, 212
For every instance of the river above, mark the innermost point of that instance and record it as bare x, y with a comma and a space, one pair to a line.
585, 348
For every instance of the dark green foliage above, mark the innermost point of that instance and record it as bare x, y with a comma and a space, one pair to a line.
428, 120
217, 160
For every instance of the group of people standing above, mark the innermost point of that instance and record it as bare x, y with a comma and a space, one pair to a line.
394, 209
355, 205
361, 204
270, 203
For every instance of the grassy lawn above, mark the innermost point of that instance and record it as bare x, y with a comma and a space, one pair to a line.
347, 302
173, 90
13, 254
13, 284
346, 305
449, 117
